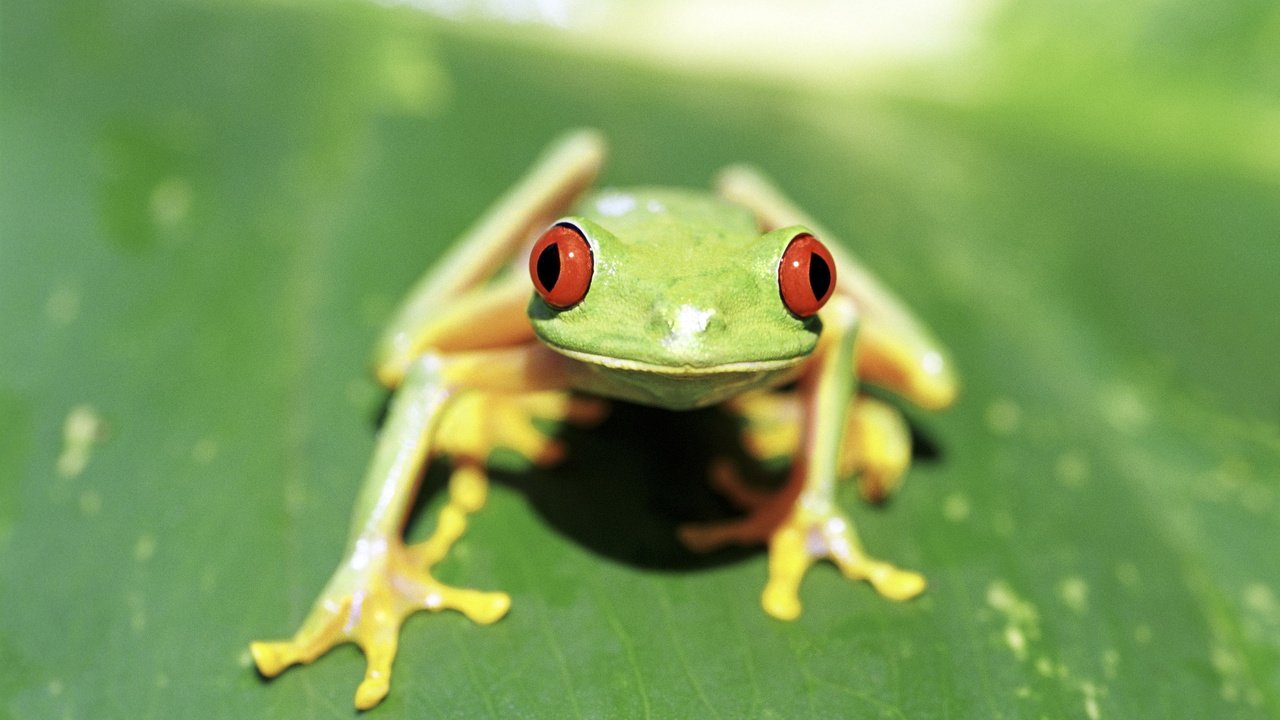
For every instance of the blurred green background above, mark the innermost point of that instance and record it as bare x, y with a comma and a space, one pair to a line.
208, 209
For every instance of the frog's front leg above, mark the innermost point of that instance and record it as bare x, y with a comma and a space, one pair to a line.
380, 581
802, 523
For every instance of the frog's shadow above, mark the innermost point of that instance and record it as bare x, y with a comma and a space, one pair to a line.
627, 484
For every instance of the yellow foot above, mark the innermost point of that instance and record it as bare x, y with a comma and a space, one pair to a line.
799, 535
365, 603
378, 585
807, 536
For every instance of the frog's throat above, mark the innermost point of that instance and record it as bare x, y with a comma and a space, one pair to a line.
690, 371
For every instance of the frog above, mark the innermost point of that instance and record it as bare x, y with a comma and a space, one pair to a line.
564, 297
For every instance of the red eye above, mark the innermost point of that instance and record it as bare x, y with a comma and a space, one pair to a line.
806, 276
561, 266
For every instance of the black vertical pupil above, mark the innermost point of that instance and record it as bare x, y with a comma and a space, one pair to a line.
819, 275
549, 266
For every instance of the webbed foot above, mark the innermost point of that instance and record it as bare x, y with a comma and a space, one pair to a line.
809, 535
799, 532
379, 584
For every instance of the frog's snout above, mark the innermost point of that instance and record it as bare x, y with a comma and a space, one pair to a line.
683, 326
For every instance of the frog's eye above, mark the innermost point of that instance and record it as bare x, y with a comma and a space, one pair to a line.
561, 266
806, 275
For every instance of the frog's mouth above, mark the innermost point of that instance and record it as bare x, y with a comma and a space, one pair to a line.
677, 371
674, 386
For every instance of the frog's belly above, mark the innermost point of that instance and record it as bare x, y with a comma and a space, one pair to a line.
682, 388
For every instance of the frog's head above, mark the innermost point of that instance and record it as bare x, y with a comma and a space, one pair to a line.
678, 293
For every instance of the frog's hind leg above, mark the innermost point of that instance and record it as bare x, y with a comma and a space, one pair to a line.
877, 446
875, 449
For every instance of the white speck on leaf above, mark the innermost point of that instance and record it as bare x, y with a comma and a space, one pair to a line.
1124, 410
90, 503
63, 306
956, 507
411, 80
205, 450
137, 612
1259, 599
1110, 663
1044, 666
1072, 469
1016, 641
1090, 700
82, 429
1022, 621
170, 201
1074, 593
1127, 574
1003, 417
145, 548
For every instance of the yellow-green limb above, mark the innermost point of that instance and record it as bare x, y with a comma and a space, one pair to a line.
568, 167
898, 351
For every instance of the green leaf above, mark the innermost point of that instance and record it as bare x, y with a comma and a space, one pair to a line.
207, 211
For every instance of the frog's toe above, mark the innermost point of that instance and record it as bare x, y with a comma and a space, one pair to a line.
321, 631
892, 582
788, 562
379, 653
272, 658
780, 602
482, 608
366, 603
752, 529
372, 690
765, 512
728, 481
808, 536
381, 584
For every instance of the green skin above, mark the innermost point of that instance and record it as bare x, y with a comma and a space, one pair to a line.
684, 309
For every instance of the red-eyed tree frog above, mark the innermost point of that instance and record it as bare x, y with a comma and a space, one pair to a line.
672, 298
